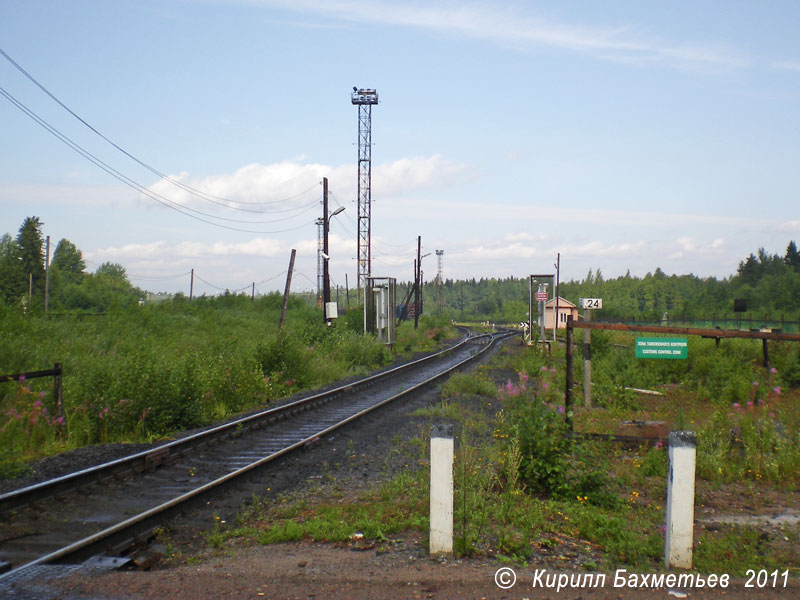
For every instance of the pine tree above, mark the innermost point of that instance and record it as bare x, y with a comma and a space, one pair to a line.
31, 251
12, 279
792, 257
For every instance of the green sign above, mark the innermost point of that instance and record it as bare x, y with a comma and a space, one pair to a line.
662, 347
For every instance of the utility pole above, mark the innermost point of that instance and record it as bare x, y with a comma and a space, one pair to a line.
555, 303
417, 282
47, 274
326, 282
191, 286
253, 293
286, 290
440, 282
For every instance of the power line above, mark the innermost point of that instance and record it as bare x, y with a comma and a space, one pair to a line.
130, 182
158, 276
195, 192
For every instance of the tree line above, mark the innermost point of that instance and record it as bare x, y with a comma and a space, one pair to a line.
769, 284
23, 275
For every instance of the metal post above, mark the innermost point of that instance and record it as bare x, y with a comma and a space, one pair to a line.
530, 308
191, 286
587, 361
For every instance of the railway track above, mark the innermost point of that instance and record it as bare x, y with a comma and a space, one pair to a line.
103, 511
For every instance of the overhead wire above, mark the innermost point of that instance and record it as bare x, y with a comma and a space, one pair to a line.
193, 191
130, 182
376, 246
159, 276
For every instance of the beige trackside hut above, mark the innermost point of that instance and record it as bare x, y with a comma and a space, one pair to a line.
565, 309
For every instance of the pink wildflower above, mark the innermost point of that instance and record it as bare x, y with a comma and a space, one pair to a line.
553, 370
37, 404
777, 390
544, 385
774, 371
749, 404
561, 410
544, 368
41, 394
21, 378
755, 384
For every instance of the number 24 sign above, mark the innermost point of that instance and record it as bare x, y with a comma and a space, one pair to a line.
591, 303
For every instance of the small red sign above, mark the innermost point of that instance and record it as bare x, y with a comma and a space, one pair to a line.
541, 296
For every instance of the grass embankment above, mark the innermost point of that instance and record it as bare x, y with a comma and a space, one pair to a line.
525, 491
148, 372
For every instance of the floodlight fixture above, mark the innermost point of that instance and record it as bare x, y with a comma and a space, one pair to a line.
364, 96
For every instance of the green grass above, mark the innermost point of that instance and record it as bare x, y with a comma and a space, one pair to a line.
146, 372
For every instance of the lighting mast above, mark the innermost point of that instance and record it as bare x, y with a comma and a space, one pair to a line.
364, 99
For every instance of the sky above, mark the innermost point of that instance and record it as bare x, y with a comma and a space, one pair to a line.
624, 135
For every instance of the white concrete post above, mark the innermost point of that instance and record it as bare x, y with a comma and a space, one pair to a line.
441, 517
680, 500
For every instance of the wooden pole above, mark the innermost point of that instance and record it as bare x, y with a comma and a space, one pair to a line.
346, 293
568, 377
191, 286
417, 282
326, 282
47, 274
288, 287
58, 394
555, 302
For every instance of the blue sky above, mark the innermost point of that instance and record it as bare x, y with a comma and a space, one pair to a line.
624, 135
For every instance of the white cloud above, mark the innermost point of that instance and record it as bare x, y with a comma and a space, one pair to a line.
789, 227
161, 250
279, 192
512, 26
689, 247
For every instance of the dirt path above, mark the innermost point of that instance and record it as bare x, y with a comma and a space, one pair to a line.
324, 571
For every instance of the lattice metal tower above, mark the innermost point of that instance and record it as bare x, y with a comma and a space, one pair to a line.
439, 282
364, 99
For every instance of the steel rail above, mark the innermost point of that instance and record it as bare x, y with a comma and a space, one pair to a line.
120, 527
152, 458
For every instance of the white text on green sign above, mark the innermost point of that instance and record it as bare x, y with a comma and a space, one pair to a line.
662, 347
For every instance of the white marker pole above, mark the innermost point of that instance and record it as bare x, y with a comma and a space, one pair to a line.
680, 500
441, 517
